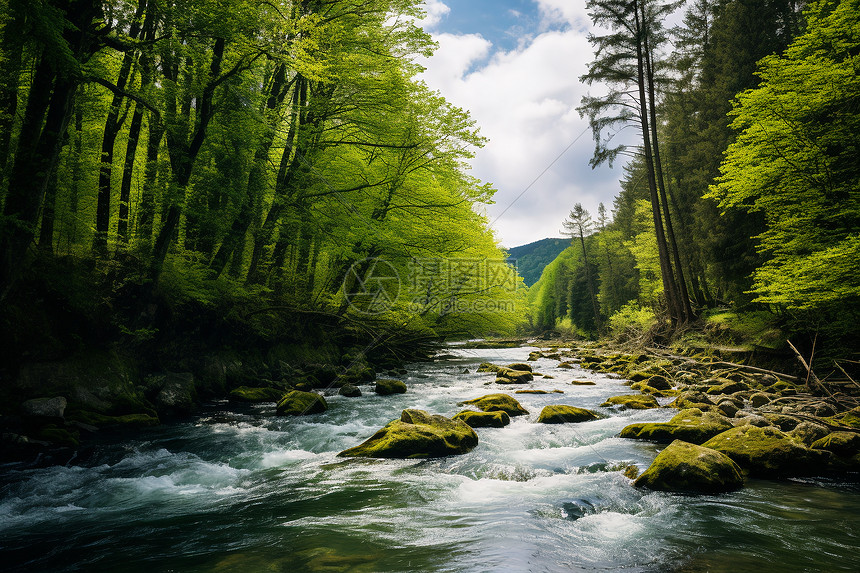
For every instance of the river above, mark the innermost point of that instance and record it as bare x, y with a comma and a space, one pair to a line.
238, 489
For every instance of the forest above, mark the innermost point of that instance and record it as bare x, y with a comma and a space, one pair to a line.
235, 173
743, 199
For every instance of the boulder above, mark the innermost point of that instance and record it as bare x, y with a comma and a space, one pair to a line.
350, 391
633, 401
521, 366
385, 387
659, 382
691, 425
298, 403
561, 414
583, 383
845, 447
497, 403
765, 452
483, 419
692, 399
489, 367
508, 376
45, 407
249, 394
178, 395
728, 407
808, 432
759, 399
417, 434
685, 467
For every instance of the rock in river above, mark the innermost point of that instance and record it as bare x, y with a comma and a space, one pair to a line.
497, 403
691, 425
417, 434
685, 467
298, 403
633, 401
561, 414
384, 387
484, 419
766, 451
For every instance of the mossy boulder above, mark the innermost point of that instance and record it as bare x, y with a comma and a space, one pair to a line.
808, 432
723, 386
176, 394
387, 386
659, 382
692, 399
728, 408
563, 414
45, 408
102, 421
497, 403
298, 403
845, 447
521, 366
508, 376
489, 367
765, 452
417, 434
759, 399
632, 401
59, 436
851, 418
483, 419
691, 425
249, 394
685, 467
583, 383
350, 391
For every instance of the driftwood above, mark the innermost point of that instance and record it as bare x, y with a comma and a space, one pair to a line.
742, 367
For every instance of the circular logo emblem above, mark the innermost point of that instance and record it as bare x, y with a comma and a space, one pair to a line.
371, 286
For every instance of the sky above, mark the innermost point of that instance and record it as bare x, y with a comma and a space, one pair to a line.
515, 66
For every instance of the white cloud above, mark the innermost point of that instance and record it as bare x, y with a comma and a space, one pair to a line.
525, 103
436, 10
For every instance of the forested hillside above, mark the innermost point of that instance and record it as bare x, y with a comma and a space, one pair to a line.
235, 172
531, 259
744, 193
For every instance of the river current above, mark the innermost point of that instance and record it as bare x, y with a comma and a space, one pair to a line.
238, 489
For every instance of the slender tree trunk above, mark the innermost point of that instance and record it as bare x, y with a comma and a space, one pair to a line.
127, 174
49, 211
71, 222
669, 288
113, 124
11, 50
146, 217
594, 304
684, 297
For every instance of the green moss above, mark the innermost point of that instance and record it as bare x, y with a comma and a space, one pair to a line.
248, 394
692, 399
521, 366
765, 451
386, 386
583, 383
632, 401
298, 403
685, 467
483, 419
562, 414
497, 403
103, 421
727, 387
690, 425
417, 434
851, 418
59, 436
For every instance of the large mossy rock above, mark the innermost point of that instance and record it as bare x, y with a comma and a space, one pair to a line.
845, 447
521, 366
47, 408
417, 434
484, 419
497, 403
249, 394
685, 467
562, 414
298, 403
692, 399
691, 425
632, 401
508, 376
766, 452
386, 387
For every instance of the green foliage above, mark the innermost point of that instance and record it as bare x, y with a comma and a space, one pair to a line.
795, 161
631, 317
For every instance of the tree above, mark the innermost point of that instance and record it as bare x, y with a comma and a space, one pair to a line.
795, 161
625, 59
579, 224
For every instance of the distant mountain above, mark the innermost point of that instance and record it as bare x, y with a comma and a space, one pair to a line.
531, 259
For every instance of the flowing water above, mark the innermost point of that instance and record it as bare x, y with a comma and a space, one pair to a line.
238, 489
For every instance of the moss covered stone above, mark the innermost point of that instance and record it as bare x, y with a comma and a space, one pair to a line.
113, 422
350, 391
633, 401
483, 419
759, 399
563, 414
690, 425
765, 452
521, 366
659, 382
386, 386
851, 418
726, 387
583, 383
508, 376
685, 467
298, 403
489, 367
497, 403
692, 399
417, 434
249, 394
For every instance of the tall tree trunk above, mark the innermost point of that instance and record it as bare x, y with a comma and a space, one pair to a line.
669, 288
128, 173
71, 223
684, 297
11, 50
146, 218
595, 306
49, 210
113, 124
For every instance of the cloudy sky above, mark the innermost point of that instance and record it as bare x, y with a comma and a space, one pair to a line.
515, 65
